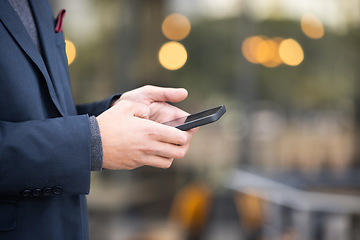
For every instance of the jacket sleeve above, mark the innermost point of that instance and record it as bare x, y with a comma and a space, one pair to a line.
96, 108
45, 154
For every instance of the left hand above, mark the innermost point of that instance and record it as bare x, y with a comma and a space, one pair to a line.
156, 99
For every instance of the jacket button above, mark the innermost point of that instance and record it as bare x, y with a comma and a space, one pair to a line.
26, 193
36, 192
46, 191
57, 190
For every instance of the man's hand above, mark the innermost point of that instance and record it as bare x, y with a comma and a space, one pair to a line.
155, 98
131, 140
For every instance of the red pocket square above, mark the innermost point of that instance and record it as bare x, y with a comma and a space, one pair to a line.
59, 21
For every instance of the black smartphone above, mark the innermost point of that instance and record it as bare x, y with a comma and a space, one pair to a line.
198, 119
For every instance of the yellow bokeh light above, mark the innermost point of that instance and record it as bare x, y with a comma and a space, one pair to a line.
172, 55
176, 27
249, 48
70, 51
275, 59
312, 26
291, 52
262, 50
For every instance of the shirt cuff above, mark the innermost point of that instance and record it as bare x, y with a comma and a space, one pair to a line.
96, 145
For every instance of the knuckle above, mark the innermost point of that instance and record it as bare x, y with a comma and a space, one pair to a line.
183, 139
130, 167
147, 150
151, 133
146, 88
180, 154
167, 164
142, 160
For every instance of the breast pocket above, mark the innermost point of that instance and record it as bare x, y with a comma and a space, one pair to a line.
7, 216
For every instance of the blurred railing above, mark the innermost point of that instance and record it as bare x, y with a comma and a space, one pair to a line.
301, 213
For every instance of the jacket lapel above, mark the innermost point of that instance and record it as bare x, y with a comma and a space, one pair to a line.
46, 27
12, 22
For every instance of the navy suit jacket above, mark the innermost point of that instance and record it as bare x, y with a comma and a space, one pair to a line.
45, 139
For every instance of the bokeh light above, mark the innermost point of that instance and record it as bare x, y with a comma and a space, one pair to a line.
291, 52
275, 59
70, 51
249, 48
172, 55
312, 26
176, 27
262, 50
268, 53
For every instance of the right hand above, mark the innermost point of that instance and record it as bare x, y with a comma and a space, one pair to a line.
131, 140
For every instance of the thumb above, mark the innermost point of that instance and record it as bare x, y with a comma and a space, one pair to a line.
161, 94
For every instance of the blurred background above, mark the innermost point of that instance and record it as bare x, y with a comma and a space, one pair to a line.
283, 162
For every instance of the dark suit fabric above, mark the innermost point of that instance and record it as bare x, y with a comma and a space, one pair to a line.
45, 142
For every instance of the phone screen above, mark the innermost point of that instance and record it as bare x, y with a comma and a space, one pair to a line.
192, 117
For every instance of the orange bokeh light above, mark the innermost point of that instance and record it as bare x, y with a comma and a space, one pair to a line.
176, 27
312, 26
249, 48
262, 50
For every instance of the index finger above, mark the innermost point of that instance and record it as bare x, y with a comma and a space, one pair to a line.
163, 112
169, 134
